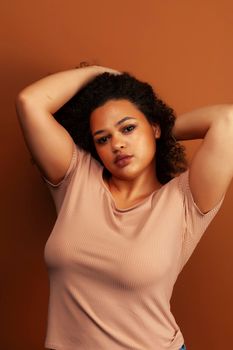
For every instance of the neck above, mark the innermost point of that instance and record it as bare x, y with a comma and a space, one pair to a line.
133, 189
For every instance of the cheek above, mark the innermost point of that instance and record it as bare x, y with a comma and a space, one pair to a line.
103, 154
146, 143
146, 150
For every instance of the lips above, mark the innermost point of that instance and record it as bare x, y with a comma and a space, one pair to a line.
123, 161
121, 156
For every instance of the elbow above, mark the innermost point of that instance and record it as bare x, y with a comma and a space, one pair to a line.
23, 100
226, 113
21, 97
230, 114
228, 120
19, 103
22, 103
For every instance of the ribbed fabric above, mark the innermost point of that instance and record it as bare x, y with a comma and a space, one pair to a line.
112, 270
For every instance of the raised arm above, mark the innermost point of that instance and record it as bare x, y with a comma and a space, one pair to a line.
48, 141
211, 169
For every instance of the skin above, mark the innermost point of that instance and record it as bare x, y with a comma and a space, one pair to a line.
136, 137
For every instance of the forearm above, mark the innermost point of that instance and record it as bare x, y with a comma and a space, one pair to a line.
53, 91
196, 123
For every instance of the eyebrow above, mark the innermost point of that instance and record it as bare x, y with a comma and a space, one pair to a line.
119, 122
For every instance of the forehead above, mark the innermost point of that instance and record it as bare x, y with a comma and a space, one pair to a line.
113, 110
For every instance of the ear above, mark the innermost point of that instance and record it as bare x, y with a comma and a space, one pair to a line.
157, 130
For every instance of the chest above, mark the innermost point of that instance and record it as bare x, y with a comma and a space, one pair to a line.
134, 251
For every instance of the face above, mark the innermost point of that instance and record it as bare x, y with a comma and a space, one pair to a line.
119, 127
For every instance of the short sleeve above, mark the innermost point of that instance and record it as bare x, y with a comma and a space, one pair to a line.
196, 222
70, 170
58, 191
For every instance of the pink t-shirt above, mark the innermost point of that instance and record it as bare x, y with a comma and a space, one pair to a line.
111, 270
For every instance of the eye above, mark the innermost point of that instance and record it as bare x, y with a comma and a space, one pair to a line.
103, 139
129, 126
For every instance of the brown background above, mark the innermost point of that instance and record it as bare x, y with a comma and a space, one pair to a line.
184, 50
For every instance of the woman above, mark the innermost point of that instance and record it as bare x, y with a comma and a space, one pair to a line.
130, 211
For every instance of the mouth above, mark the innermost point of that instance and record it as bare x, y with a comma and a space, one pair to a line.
121, 162
121, 156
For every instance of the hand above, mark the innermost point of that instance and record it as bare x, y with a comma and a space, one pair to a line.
109, 70
100, 68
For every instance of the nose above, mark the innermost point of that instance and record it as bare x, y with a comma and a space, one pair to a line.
117, 142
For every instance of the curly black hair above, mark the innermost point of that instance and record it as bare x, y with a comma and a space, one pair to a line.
74, 116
